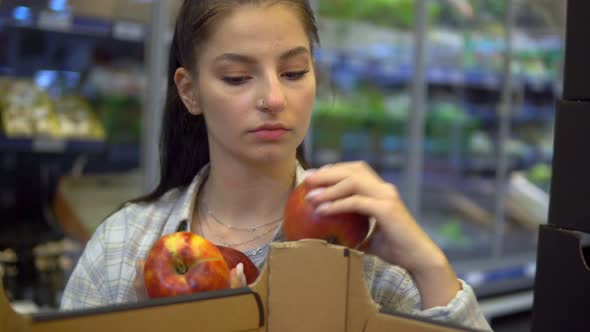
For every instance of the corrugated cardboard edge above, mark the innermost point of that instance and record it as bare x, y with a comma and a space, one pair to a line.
561, 261
358, 312
360, 307
208, 313
383, 323
260, 286
307, 287
364, 314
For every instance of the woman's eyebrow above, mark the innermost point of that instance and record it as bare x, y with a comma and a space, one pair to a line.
234, 57
294, 52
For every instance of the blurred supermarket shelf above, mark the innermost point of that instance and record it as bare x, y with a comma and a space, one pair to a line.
63, 22
49, 145
98, 157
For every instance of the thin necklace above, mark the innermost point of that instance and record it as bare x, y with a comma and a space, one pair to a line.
235, 228
229, 244
257, 251
251, 253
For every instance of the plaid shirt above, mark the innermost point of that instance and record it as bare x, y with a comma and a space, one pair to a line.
105, 272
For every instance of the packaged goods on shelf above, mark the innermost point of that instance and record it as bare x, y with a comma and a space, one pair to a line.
77, 120
9, 271
526, 203
27, 111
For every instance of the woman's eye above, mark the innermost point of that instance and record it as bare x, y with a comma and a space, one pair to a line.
235, 80
293, 76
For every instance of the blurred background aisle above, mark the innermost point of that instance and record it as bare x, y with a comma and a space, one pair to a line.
469, 145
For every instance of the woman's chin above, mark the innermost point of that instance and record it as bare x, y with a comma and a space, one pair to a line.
270, 156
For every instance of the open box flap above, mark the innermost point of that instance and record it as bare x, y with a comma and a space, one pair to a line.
308, 285
562, 281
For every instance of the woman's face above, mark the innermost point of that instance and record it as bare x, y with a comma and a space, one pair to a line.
256, 84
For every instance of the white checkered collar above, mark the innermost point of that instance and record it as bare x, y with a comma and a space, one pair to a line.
183, 207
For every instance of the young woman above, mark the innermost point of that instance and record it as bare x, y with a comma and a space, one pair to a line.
240, 95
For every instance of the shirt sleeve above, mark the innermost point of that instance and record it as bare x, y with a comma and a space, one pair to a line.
88, 284
394, 290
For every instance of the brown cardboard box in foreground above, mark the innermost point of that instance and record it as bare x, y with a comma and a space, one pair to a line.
307, 285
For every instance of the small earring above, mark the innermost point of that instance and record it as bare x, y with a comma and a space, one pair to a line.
260, 104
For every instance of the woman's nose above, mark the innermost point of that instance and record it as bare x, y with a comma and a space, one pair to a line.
273, 97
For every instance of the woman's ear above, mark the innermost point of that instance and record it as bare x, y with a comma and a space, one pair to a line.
186, 90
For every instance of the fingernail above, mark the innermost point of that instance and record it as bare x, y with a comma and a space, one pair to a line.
323, 207
240, 269
314, 192
326, 166
308, 172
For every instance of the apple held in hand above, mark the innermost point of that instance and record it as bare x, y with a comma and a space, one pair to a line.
233, 257
301, 222
184, 263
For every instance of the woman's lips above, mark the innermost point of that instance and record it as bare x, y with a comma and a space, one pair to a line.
270, 134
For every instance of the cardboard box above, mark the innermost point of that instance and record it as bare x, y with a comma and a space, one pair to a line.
307, 285
562, 281
568, 207
577, 52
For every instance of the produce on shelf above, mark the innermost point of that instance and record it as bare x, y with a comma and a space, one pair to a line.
448, 128
360, 124
77, 120
540, 175
396, 13
526, 203
27, 111
468, 208
452, 234
116, 92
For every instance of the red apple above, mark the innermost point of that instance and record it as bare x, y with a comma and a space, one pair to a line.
233, 257
347, 229
184, 263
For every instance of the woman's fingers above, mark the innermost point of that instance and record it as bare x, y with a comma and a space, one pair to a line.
334, 173
330, 175
138, 282
368, 206
237, 279
344, 188
375, 244
340, 181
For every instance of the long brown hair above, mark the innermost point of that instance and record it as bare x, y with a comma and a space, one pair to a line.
184, 147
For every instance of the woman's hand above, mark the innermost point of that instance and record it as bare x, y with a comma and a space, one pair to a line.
138, 283
398, 239
237, 279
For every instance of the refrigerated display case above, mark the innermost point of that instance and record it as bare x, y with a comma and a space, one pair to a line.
491, 75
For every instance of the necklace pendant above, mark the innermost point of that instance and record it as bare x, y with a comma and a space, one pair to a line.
255, 252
